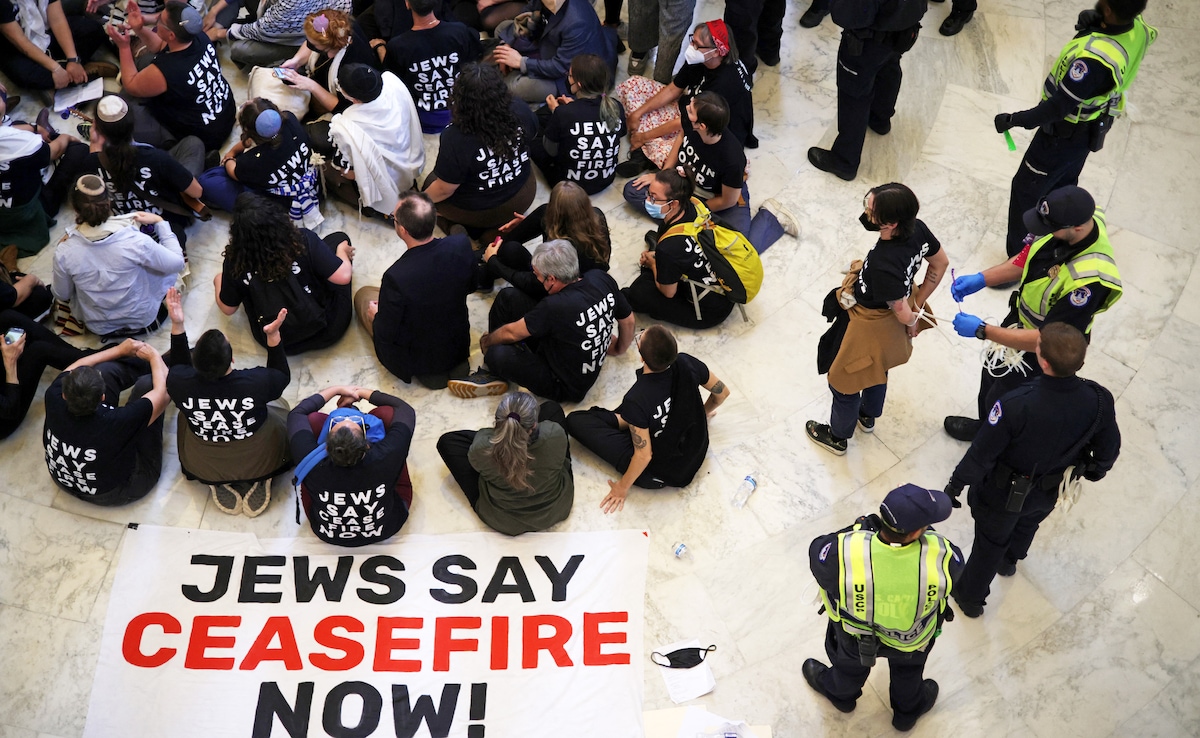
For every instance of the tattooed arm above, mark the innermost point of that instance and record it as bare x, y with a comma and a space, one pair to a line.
615, 500
717, 394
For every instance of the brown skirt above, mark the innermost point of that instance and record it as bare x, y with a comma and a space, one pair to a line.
261, 456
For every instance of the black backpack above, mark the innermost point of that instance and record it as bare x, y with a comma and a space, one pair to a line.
305, 318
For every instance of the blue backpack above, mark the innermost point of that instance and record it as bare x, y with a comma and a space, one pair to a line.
372, 427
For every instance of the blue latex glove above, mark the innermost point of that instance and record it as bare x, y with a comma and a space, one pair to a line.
968, 285
966, 324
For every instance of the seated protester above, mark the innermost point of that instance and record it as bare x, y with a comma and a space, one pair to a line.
273, 157
486, 15
96, 451
182, 92
517, 474
539, 64
427, 59
35, 38
271, 264
351, 465
658, 436
554, 347
716, 164
24, 361
375, 144
232, 425
274, 32
28, 204
331, 39
655, 111
25, 294
114, 276
660, 290
483, 174
568, 215
582, 142
418, 317
142, 178
387, 19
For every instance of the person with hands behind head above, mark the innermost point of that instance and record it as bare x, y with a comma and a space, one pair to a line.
658, 436
95, 450
1068, 274
517, 474
182, 92
351, 465
1017, 462
232, 427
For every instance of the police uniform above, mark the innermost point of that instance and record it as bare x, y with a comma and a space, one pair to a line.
1060, 283
1084, 90
886, 598
1024, 442
875, 34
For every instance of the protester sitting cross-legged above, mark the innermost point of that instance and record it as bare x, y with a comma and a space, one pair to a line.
568, 215
95, 450
417, 317
273, 31
25, 358
517, 474
332, 39
232, 424
351, 465
660, 289
43, 48
114, 276
538, 60
271, 264
554, 347
273, 157
658, 436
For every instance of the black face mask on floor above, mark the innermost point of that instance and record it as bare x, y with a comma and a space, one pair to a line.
683, 658
866, 222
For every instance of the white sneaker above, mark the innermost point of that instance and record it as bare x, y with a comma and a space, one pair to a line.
791, 226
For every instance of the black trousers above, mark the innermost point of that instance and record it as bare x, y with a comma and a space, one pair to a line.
644, 297
757, 27
999, 536
597, 429
868, 85
845, 678
453, 448
25, 72
520, 362
42, 349
1050, 162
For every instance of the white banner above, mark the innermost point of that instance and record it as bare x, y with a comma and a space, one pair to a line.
465, 635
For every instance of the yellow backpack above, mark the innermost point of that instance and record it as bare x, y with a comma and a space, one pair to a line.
735, 262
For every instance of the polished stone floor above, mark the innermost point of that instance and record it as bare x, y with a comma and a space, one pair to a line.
1098, 633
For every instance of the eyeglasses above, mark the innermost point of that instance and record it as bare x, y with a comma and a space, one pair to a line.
637, 339
650, 198
697, 46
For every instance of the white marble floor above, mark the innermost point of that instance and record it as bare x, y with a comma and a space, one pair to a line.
1099, 632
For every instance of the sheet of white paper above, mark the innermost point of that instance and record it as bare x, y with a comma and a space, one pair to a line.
69, 96
700, 722
687, 684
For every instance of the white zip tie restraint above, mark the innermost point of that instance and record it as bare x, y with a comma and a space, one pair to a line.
1069, 490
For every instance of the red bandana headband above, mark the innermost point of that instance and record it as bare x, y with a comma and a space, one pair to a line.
720, 35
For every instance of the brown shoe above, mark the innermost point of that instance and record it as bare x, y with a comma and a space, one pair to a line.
100, 69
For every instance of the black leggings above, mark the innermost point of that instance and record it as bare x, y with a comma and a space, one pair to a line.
42, 349
453, 448
600, 432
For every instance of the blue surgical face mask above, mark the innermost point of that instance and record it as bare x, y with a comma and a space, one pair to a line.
654, 210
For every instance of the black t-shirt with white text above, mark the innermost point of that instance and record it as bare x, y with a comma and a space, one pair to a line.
198, 100
155, 174
714, 166
427, 62
92, 455
575, 326
588, 148
667, 405
267, 167
732, 82
679, 255
21, 179
484, 179
890, 266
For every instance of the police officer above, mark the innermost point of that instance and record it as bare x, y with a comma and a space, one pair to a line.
1085, 89
875, 34
1018, 459
1067, 275
884, 583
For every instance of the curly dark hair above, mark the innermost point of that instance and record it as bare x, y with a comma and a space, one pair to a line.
481, 104
262, 239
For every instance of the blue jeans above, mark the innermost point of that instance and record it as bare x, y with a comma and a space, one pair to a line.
846, 408
763, 230
220, 190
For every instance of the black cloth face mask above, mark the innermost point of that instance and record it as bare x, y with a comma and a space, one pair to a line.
683, 658
866, 223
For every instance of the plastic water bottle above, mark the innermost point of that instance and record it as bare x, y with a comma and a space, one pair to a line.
744, 490
680, 549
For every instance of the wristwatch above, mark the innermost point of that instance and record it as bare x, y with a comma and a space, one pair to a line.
74, 60
981, 332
